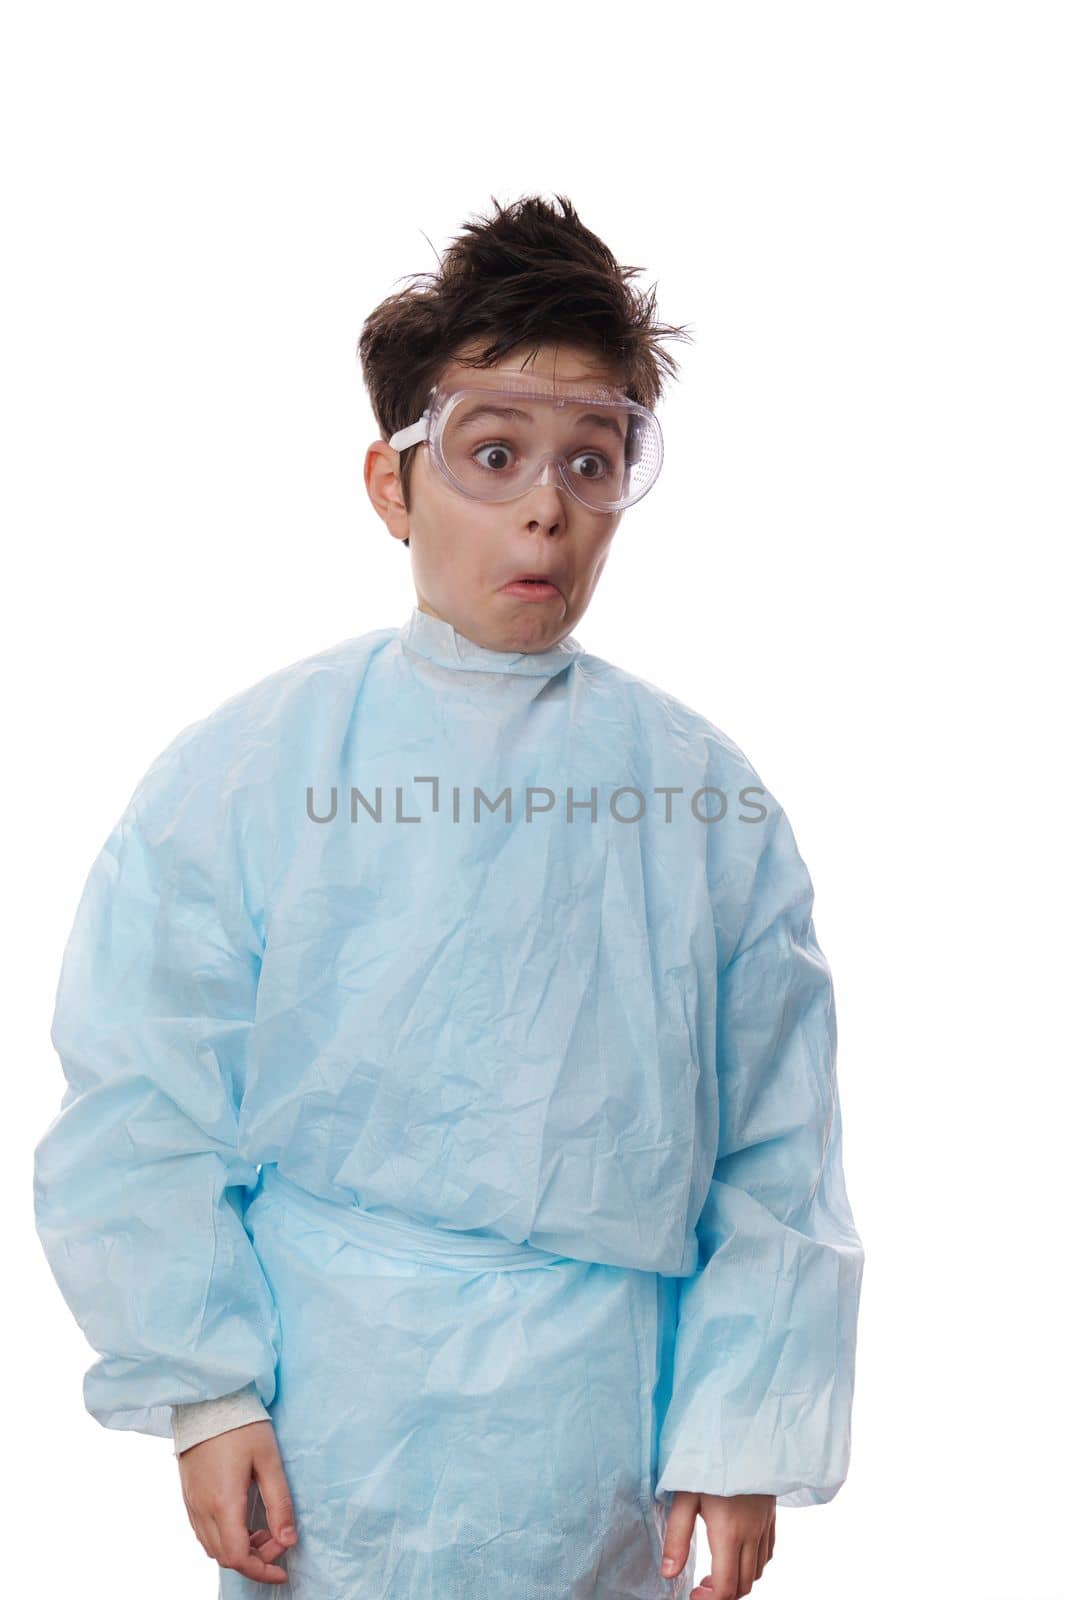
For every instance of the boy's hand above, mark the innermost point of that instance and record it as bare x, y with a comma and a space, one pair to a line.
216, 1475
741, 1529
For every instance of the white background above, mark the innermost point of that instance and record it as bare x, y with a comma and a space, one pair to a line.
850, 565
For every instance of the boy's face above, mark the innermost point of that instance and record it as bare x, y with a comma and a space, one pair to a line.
464, 552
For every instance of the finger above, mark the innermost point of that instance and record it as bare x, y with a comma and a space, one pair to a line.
274, 1490
266, 1547
262, 1540
724, 1566
201, 1523
258, 1571
763, 1552
679, 1529
748, 1566
772, 1536
236, 1550
207, 1532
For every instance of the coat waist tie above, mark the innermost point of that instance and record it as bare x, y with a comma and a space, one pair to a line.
412, 1240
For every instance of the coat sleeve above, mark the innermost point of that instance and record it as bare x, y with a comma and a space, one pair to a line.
766, 1327
139, 1186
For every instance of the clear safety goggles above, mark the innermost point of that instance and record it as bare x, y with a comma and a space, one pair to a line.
498, 442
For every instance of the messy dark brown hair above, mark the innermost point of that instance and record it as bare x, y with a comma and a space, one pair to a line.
527, 275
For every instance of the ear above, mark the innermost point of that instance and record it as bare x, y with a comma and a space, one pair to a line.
385, 488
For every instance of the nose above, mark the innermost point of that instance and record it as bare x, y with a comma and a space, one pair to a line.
550, 477
543, 502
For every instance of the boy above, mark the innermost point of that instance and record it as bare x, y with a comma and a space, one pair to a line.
451, 1156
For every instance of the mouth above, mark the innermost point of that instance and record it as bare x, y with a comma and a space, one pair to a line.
531, 587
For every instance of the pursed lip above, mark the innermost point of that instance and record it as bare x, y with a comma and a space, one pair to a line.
532, 577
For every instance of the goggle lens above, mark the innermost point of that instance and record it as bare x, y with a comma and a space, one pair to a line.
496, 447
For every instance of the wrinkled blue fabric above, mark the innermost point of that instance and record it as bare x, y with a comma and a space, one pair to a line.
501, 1152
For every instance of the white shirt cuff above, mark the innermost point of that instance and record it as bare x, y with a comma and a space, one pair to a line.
202, 1419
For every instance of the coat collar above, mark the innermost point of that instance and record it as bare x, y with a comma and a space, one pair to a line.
437, 640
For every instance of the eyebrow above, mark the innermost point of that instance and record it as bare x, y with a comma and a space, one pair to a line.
512, 413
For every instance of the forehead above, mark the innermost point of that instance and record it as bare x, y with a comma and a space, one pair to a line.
565, 365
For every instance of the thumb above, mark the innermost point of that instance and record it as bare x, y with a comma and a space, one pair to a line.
679, 1529
276, 1498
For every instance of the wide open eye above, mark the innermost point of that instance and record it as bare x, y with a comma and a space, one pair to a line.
495, 450
604, 466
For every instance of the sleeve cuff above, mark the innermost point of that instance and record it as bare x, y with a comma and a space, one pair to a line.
202, 1419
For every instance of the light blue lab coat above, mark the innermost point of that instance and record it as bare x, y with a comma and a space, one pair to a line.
497, 1144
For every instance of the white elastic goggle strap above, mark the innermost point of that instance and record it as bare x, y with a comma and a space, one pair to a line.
414, 434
